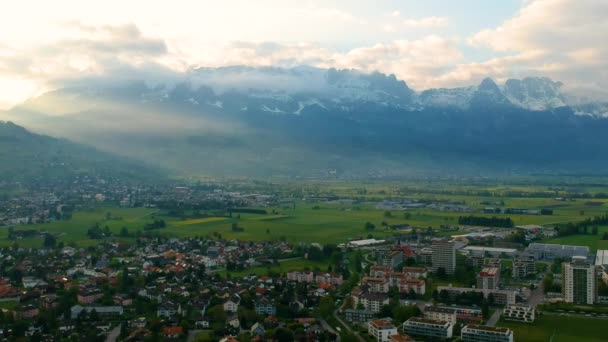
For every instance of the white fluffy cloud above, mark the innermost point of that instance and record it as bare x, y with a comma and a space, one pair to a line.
563, 39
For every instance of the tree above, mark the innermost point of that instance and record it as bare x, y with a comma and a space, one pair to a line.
403, 313
407, 215
388, 214
283, 335
326, 306
124, 232
49, 241
369, 226
594, 230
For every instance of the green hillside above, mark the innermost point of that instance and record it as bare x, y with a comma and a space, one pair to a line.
28, 157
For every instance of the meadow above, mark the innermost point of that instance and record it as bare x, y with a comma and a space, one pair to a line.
559, 329
322, 222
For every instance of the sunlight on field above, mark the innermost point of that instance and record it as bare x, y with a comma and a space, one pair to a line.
199, 221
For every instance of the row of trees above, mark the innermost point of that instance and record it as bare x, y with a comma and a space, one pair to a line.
486, 221
583, 227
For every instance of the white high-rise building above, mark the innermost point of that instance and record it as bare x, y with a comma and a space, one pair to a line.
579, 281
444, 255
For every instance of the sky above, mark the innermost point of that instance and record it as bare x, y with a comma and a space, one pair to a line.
50, 44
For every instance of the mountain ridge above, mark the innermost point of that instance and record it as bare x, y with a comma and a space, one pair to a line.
302, 121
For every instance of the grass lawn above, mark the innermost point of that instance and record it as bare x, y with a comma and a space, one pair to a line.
594, 242
562, 328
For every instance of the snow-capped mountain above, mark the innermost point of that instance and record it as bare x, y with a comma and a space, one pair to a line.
248, 120
291, 91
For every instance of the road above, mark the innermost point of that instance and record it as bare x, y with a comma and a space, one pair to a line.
329, 328
346, 326
113, 334
495, 317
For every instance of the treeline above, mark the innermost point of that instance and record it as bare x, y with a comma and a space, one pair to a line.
583, 227
511, 193
157, 224
248, 211
486, 221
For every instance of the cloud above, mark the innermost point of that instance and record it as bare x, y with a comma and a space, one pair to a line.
570, 33
397, 23
425, 22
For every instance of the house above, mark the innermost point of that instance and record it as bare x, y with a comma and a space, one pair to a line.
26, 312
233, 321
173, 332
257, 330
168, 309
265, 306
88, 296
232, 304
138, 323
202, 323
122, 299
381, 329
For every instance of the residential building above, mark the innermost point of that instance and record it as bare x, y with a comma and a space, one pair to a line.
428, 328
444, 255
334, 279
424, 256
376, 285
371, 301
88, 296
400, 338
300, 276
519, 312
438, 313
381, 329
265, 306
484, 333
168, 310
415, 272
501, 297
579, 281
523, 266
102, 311
232, 304
354, 315
26, 312
488, 278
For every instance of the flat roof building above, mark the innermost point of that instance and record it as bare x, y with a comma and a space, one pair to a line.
429, 328
547, 251
381, 329
484, 333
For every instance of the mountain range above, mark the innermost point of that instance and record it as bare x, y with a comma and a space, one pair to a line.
305, 121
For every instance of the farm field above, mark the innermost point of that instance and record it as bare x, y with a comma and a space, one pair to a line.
559, 329
322, 222
594, 242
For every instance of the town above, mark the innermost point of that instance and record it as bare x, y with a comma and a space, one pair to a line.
478, 279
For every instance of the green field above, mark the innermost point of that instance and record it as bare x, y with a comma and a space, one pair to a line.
321, 222
559, 329
594, 242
